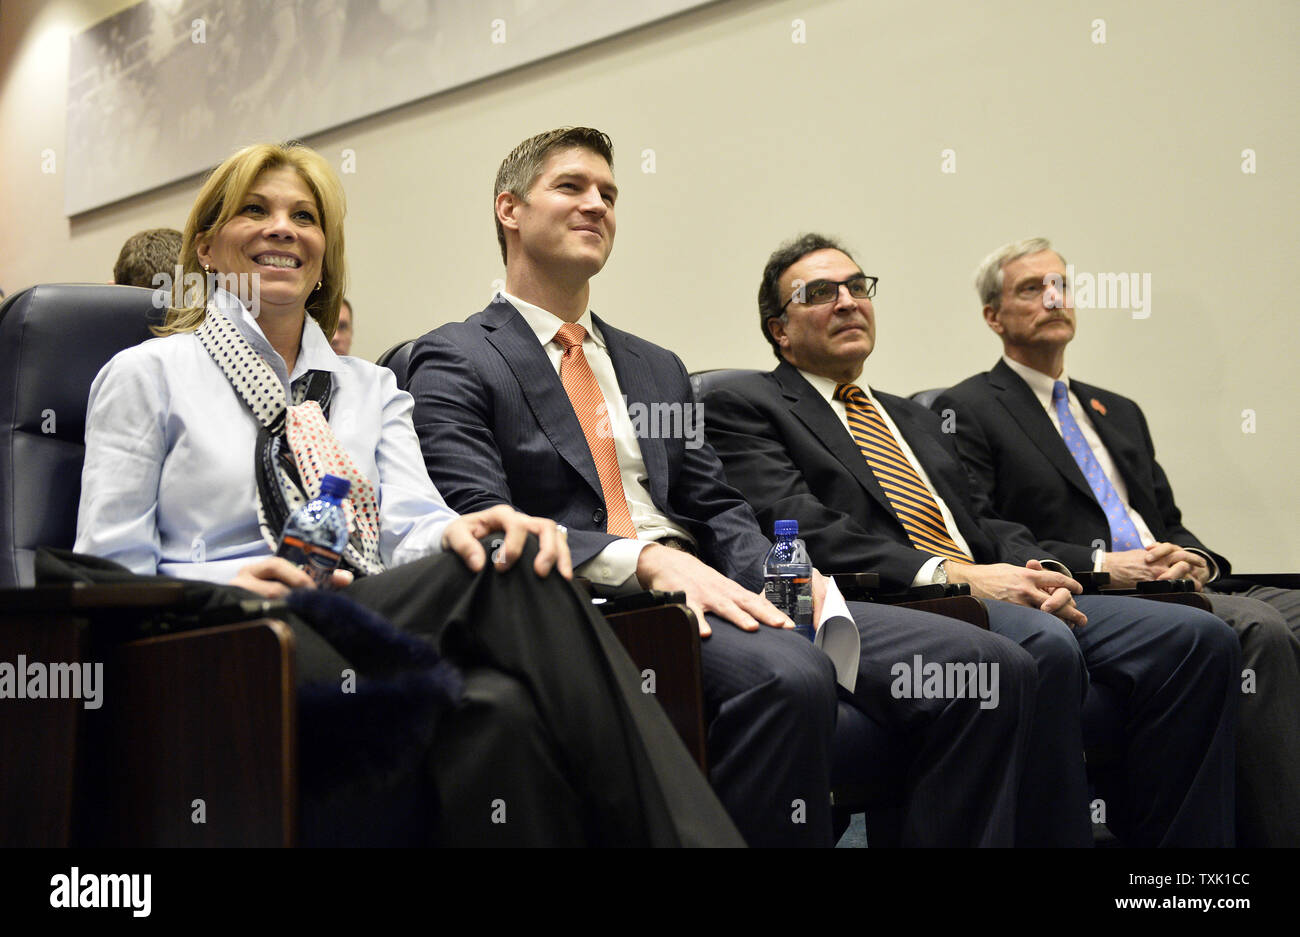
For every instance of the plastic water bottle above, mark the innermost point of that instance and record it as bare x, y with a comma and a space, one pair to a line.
316, 534
787, 577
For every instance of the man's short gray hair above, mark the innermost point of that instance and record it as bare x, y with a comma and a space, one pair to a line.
988, 278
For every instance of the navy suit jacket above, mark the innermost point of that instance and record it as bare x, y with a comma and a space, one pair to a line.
496, 427
786, 450
1022, 463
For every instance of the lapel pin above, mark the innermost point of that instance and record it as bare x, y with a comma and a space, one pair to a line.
1097, 405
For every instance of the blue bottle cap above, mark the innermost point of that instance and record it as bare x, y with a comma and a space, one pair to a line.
331, 486
786, 528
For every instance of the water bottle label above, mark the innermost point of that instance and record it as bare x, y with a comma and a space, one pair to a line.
316, 561
794, 597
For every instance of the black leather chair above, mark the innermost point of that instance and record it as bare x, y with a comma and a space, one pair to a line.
704, 381
175, 724
926, 398
53, 341
398, 360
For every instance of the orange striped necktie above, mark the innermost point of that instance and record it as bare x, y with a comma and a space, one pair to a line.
589, 403
913, 504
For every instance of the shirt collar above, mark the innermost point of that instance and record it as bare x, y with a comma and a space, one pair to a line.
1038, 382
545, 324
314, 351
826, 386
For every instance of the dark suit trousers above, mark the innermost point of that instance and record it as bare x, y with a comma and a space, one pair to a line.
1268, 734
1052, 806
962, 760
1285, 602
1156, 682
554, 734
1172, 673
770, 706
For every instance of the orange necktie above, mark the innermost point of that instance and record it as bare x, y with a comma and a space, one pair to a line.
588, 403
915, 507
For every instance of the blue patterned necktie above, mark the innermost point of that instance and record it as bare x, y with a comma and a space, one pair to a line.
1123, 535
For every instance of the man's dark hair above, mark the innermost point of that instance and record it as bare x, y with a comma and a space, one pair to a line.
146, 254
519, 170
782, 259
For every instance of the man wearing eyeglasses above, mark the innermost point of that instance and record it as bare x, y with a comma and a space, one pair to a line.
1076, 465
875, 484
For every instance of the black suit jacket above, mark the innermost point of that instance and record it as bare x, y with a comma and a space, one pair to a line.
1022, 463
496, 427
789, 454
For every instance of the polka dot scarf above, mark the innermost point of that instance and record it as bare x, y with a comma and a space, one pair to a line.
295, 445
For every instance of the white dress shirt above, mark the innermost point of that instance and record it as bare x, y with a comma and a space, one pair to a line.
826, 387
1042, 386
614, 566
169, 484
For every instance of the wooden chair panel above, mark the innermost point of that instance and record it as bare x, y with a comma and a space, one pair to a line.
666, 640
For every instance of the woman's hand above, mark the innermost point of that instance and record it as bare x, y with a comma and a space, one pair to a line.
462, 536
273, 576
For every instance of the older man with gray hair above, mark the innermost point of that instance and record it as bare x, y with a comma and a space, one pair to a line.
1076, 465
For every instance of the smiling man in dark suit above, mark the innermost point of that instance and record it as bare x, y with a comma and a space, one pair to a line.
875, 484
537, 401
1076, 465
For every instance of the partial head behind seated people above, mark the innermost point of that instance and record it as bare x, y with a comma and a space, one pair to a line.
147, 257
342, 340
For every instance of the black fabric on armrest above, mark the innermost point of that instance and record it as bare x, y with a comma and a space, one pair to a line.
1092, 582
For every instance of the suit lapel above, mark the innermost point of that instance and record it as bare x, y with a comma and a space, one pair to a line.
932, 457
1019, 400
811, 409
510, 335
926, 450
1118, 443
641, 392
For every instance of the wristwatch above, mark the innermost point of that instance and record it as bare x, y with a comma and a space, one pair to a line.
940, 574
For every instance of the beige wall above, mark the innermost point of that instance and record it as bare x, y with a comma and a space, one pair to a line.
1127, 154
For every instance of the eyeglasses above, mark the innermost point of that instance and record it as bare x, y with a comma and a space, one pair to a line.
820, 292
1032, 289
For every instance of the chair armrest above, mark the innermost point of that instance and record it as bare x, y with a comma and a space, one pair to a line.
39, 738
865, 587
637, 601
663, 641
858, 587
1092, 582
79, 776
1165, 587
206, 715
1177, 591
965, 608
952, 600
1276, 580
1190, 599
938, 590
79, 596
